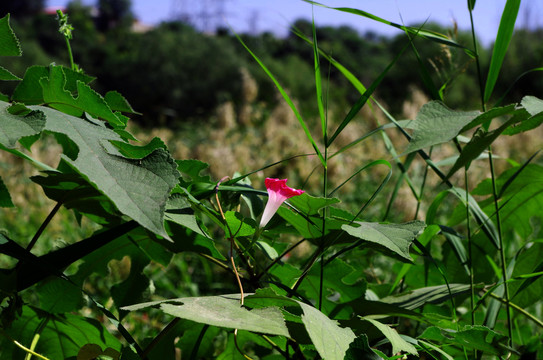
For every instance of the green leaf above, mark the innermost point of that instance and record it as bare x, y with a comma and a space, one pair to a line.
139, 188
505, 33
532, 104
330, 340
480, 141
14, 127
435, 124
134, 245
61, 336
9, 44
310, 205
5, 198
117, 102
238, 225
337, 283
527, 292
138, 152
417, 298
520, 202
487, 116
29, 91
222, 311
7, 75
397, 342
59, 296
431, 35
395, 238
475, 337
193, 169
530, 116
58, 96
360, 350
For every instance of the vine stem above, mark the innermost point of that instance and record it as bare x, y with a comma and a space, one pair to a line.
24, 348
157, 339
44, 224
240, 285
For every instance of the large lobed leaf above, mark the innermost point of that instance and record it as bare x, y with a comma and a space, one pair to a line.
436, 124
139, 188
331, 341
13, 127
222, 311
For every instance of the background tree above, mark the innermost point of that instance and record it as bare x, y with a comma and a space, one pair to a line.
114, 13
21, 8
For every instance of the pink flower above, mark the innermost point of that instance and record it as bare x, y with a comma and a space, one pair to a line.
278, 192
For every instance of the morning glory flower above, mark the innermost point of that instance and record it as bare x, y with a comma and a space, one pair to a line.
278, 192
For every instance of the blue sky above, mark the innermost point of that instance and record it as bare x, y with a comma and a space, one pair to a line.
276, 15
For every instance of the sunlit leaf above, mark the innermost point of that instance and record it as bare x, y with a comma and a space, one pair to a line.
436, 124
222, 311
138, 188
14, 127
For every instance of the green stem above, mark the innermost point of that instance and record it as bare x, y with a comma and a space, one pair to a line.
46, 222
502, 250
519, 309
70, 54
477, 62
470, 251
157, 339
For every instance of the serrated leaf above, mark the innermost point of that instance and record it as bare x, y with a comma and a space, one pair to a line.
29, 90
14, 127
56, 94
330, 340
138, 188
117, 102
398, 344
396, 238
7, 75
435, 124
61, 336
9, 44
193, 168
138, 152
222, 311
